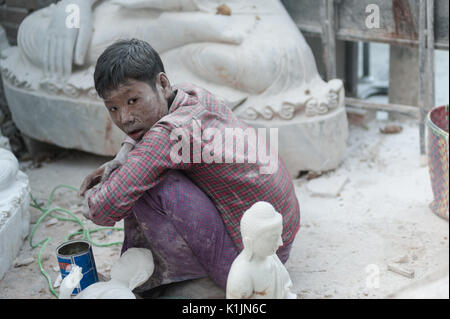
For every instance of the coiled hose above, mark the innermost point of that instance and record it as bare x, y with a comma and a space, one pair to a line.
47, 211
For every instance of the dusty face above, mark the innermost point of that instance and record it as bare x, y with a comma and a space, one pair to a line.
135, 106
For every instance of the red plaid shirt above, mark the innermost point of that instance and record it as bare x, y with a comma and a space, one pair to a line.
232, 187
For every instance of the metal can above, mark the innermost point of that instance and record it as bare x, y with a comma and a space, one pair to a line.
78, 252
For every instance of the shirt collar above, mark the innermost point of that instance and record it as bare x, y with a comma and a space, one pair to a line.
179, 99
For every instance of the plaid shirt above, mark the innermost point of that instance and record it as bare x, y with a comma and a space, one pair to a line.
232, 187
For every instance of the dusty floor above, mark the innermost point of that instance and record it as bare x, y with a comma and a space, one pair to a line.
342, 250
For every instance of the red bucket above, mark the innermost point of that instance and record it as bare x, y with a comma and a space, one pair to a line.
438, 155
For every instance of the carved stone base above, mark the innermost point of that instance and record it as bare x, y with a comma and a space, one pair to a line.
14, 214
310, 143
67, 122
305, 143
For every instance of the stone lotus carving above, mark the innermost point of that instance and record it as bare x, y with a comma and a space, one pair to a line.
256, 57
133, 268
257, 272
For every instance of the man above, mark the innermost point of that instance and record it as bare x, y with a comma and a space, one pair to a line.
186, 212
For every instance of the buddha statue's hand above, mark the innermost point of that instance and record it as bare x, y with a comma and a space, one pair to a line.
66, 40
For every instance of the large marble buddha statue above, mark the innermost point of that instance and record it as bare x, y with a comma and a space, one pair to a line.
249, 52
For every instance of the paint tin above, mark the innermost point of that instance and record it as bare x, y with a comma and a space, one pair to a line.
78, 252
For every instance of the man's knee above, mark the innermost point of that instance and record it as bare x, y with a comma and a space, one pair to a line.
173, 193
177, 191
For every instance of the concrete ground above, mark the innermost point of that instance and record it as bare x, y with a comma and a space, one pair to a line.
379, 217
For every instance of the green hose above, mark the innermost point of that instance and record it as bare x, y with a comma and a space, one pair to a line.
84, 231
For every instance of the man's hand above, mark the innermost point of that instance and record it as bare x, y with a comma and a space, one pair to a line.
91, 180
98, 176
85, 209
102, 173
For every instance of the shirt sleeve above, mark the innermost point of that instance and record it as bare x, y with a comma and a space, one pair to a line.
146, 166
129, 140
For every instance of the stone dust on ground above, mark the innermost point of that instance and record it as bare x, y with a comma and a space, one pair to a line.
377, 216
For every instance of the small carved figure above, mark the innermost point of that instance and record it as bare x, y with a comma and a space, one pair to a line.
257, 272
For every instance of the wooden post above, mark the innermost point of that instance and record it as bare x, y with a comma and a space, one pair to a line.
329, 37
430, 54
408, 110
426, 67
422, 70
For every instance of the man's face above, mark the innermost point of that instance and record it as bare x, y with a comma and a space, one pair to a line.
135, 106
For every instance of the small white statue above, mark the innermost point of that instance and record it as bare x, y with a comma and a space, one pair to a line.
134, 268
257, 272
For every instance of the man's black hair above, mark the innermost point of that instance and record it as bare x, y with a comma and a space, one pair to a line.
124, 60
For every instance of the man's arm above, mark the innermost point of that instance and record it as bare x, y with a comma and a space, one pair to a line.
120, 158
102, 173
145, 167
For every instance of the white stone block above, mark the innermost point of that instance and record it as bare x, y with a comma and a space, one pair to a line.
14, 209
327, 186
310, 143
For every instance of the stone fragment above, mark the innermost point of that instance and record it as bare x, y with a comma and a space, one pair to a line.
51, 222
23, 262
391, 129
408, 273
402, 260
327, 186
223, 10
